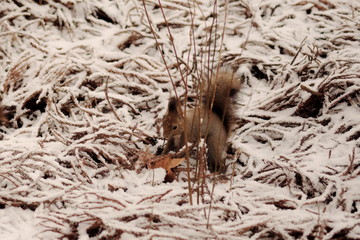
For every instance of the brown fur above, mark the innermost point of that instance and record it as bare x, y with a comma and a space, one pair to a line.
3, 118
211, 120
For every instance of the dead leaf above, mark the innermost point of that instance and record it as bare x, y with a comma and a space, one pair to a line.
163, 161
166, 162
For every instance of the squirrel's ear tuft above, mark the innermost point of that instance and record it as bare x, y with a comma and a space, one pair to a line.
172, 106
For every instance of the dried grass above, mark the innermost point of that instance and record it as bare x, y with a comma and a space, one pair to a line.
89, 113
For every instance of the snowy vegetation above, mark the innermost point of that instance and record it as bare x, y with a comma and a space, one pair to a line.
84, 86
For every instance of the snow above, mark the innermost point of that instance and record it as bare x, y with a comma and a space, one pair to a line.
17, 223
84, 87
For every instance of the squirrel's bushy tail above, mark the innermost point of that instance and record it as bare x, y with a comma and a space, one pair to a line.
221, 88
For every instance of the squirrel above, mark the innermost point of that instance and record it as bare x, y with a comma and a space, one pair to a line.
3, 118
212, 119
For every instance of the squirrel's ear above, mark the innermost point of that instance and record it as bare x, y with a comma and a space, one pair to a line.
172, 106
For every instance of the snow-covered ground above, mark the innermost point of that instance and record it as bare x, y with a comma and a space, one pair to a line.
84, 87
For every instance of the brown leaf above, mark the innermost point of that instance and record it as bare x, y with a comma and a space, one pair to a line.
166, 162
163, 161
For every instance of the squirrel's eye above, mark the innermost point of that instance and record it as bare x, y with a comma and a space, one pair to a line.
174, 127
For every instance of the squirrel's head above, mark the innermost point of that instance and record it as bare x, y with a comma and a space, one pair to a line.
173, 122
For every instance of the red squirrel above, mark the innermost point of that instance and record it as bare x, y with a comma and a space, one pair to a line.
211, 119
3, 118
